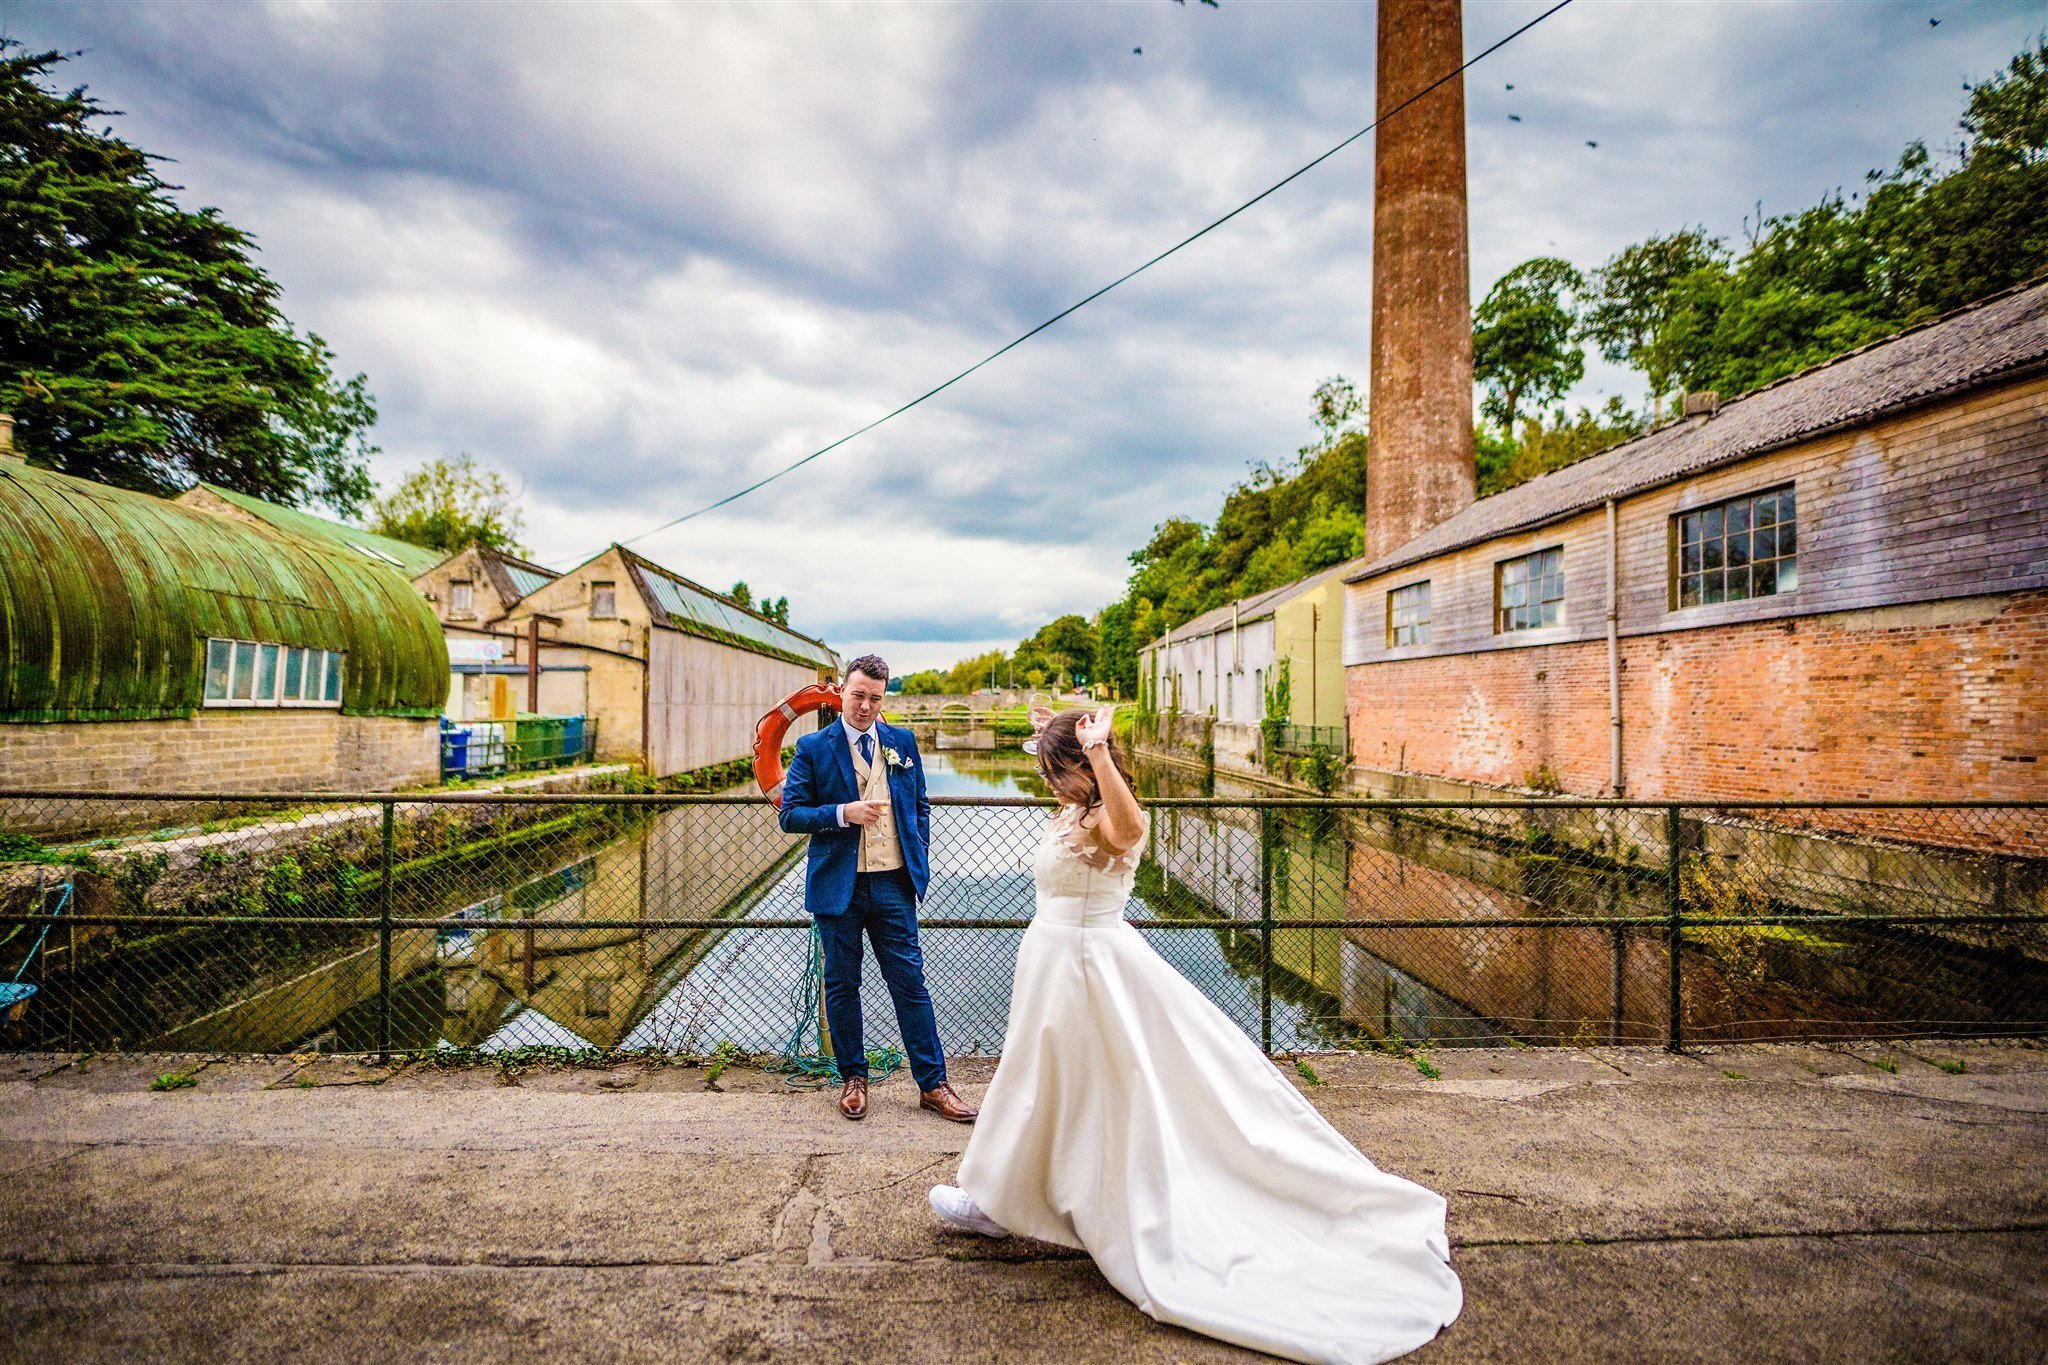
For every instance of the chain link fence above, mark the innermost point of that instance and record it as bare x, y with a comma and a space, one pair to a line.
610, 922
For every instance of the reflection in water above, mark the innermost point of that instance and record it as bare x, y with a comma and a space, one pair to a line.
698, 989
539, 964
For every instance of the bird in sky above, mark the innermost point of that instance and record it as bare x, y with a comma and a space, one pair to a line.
1591, 143
1137, 52
1514, 118
1934, 23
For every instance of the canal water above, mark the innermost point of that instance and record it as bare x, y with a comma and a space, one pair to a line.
1447, 933
690, 992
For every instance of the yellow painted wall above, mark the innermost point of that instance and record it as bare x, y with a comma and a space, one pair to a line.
1308, 629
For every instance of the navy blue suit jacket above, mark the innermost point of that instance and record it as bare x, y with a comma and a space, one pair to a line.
821, 779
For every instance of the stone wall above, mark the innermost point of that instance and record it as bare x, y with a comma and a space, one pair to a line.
238, 750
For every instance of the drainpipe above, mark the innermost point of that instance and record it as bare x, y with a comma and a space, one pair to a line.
1615, 778
1315, 709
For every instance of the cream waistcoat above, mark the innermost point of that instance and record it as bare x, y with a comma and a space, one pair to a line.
879, 850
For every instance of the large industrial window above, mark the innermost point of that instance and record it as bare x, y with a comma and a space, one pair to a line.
1735, 550
247, 673
1408, 616
1529, 592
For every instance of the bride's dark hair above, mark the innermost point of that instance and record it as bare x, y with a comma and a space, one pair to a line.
1060, 753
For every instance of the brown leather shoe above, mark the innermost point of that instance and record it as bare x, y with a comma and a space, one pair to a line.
853, 1100
942, 1101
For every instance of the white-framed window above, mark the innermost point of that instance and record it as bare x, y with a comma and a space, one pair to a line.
1408, 616
604, 600
461, 598
1528, 592
256, 673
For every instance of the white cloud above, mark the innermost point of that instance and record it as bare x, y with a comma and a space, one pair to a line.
637, 256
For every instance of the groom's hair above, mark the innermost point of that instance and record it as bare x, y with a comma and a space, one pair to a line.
874, 665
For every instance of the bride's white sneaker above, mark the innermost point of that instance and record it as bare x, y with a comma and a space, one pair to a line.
954, 1207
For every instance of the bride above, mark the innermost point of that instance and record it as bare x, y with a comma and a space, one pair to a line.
1131, 1119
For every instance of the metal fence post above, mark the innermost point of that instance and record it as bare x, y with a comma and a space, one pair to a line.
1266, 929
384, 937
1675, 905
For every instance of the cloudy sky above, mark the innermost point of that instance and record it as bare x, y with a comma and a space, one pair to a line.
637, 256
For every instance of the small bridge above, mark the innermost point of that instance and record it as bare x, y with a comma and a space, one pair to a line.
951, 725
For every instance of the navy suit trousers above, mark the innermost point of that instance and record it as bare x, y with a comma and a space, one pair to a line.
885, 908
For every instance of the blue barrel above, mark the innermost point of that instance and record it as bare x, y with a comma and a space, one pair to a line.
454, 751
572, 737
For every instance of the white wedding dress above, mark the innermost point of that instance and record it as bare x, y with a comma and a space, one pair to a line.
1131, 1119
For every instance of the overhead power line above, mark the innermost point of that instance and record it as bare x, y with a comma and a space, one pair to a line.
1075, 307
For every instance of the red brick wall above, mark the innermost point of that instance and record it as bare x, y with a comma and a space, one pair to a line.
1945, 700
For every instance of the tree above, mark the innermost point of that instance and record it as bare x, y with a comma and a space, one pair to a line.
1545, 446
983, 670
1525, 338
1332, 406
777, 611
1062, 649
1915, 242
1331, 536
928, 683
742, 594
447, 504
1633, 299
140, 345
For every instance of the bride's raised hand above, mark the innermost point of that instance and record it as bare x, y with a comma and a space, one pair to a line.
1096, 728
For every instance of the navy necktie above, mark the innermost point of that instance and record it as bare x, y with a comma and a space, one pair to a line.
867, 749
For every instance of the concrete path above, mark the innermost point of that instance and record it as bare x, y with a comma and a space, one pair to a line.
1755, 1204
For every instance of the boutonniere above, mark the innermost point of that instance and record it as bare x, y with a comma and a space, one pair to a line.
894, 759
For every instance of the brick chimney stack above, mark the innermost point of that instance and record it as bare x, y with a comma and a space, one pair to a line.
1420, 467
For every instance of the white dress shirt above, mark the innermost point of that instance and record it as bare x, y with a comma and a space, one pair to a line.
853, 749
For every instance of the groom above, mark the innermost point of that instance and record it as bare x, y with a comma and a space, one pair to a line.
857, 789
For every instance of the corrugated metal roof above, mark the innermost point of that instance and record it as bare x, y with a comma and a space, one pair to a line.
1258, 606
412, 560
526, 580
511, 576
107, 599
2004, 336
696, 610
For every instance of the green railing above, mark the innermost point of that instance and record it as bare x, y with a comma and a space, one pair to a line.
1300, 739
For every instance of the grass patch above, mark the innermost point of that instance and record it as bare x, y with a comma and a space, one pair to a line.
1427, 1068
1735, 1075
1887, 1065
722, 1056
174, 1080
1953, 1066
1306, 1072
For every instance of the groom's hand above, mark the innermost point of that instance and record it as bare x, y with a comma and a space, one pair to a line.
862, 812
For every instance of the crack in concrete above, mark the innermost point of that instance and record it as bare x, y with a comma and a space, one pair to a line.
1657, 1238
204, 1269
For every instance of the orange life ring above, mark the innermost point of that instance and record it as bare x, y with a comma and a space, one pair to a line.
769, 730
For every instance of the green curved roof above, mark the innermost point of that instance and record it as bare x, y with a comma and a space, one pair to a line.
107, 599
412, 559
